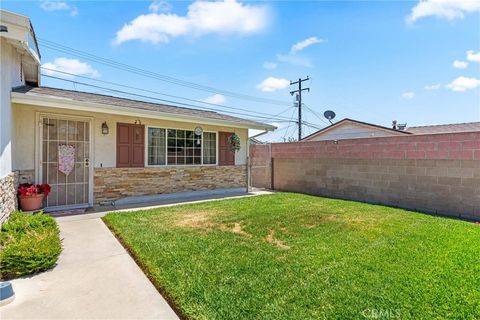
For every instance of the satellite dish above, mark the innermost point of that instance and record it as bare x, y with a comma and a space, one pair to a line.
329, 114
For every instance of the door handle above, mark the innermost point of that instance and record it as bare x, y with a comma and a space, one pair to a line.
86, 161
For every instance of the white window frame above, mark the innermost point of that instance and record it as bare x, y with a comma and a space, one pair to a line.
166, 149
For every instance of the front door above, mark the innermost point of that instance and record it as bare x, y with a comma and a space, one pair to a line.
65, 151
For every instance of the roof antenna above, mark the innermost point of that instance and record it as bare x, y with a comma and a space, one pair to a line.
330, 115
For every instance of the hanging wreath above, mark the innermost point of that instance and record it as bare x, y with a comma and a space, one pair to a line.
234, 142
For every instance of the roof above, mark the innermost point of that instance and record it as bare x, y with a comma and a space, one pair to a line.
336, 124
19, 28
445, 128
112, 104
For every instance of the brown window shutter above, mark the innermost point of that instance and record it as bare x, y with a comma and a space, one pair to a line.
225, 153
138, 146
123, 145
130, 145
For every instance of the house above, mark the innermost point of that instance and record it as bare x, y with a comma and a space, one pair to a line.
120, 147
354, 129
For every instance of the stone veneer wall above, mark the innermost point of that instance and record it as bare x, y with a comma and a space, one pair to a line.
437, 173
8, 196
111, 184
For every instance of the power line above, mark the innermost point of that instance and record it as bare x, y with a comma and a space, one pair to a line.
316, 115
288, 128
125, 67
156, 92
158, 99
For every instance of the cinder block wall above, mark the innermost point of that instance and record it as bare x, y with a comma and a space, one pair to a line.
438, 173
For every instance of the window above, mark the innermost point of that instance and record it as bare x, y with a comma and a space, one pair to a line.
156, 146
184, 147
209, 148
180, 147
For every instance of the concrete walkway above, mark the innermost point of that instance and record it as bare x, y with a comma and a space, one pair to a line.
95, 279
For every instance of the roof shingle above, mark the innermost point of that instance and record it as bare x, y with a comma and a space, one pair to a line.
130, 103
445, 128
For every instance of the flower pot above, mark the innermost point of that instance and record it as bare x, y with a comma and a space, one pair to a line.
31, 203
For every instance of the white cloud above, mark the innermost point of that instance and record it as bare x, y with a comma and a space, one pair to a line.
472, 56
216, 99
299, 46
203, 17
159, 6
408, 95
272, 84
72, 66
460, 64
433, 86
269, 65
292, 56
51, 6
449, 9
462, 84
295, 60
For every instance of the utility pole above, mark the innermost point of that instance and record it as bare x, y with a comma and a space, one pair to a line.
299, 92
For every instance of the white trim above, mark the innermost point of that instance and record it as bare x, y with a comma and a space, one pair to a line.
38, 153
166, 165
62, 103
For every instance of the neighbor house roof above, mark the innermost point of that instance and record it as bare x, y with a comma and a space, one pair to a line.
111, 104
337, 124
442, 128
445, 128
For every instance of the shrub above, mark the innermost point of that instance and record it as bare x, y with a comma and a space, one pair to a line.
28, 244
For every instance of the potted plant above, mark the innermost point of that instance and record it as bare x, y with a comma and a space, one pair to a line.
31, 196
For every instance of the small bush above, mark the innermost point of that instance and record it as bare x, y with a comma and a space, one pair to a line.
28, 244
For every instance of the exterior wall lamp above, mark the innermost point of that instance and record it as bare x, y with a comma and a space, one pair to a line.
104, 128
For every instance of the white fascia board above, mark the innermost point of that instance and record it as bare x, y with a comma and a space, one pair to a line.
63, 103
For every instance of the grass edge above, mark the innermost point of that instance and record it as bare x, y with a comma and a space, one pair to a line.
160, 288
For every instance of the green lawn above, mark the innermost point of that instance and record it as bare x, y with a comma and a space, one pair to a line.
292, 256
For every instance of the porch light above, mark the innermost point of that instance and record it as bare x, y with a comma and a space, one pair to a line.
104, 128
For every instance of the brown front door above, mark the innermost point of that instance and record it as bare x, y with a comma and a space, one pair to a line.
130, 145
225, 153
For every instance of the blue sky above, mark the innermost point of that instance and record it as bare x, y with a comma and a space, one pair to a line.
417, 63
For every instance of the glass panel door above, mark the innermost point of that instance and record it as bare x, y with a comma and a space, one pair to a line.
65, 157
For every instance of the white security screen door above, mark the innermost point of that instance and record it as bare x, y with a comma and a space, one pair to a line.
65, 161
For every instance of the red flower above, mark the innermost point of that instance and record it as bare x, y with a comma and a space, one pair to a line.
46, 189
28, 189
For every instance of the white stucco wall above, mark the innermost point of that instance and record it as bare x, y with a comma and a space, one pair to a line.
10, 76
25, 131
350, 130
